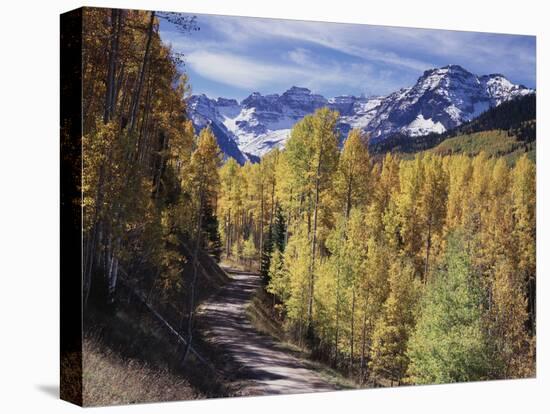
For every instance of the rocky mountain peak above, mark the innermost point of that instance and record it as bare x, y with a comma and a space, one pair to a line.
442, 98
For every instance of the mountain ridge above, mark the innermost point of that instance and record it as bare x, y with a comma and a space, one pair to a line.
441, 99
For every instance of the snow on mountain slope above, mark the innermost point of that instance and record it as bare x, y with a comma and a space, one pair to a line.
421, 126
207, 112
501, 89
441, 99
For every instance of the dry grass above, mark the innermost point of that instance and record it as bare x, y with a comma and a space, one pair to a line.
71, 377
109, 379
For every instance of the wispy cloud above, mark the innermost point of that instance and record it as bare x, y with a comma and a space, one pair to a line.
243, 54
248, 73
349, 39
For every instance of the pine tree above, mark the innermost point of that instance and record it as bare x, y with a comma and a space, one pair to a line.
210, 228
267, 252
275, 240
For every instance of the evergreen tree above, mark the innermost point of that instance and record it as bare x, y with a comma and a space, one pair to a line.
279, 283
210, 227
275, 240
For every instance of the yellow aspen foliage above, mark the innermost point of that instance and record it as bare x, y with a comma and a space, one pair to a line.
507, 319
391, 334
524, 199
352, 176
460, 175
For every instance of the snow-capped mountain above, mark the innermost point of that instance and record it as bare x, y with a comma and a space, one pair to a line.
441, 99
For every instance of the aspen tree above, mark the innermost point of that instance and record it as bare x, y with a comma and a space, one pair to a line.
202, 182
448, 343
524, 200
391, 334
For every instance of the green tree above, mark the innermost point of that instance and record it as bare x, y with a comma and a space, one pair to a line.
448, 344
274, 241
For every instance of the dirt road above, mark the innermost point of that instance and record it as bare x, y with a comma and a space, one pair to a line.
264, 367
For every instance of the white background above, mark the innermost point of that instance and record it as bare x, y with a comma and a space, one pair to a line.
29, 208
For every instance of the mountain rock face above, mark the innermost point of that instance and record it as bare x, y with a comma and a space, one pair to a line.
441, 99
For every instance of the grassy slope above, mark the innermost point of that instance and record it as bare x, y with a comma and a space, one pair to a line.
130, 357
495, 143
110, 378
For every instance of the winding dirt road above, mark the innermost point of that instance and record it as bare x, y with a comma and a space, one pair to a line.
264, 367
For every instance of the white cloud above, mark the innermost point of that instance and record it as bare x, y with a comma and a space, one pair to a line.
232, 70
346, 38
381, 59
393, 46
300, 56
251, 74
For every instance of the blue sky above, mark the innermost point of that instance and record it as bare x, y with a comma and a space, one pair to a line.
235, 56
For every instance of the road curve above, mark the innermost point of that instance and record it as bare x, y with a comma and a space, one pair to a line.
264, 367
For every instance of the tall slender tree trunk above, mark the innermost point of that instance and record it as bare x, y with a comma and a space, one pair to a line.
261, 249
363, 344
139, 86
337, 330
348, 198
289, 217
428, 247
352, 341
158, 176
228, 234
111, 67
113, 274
119, 82
142, 143
314, 244
272, 204
191, 311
